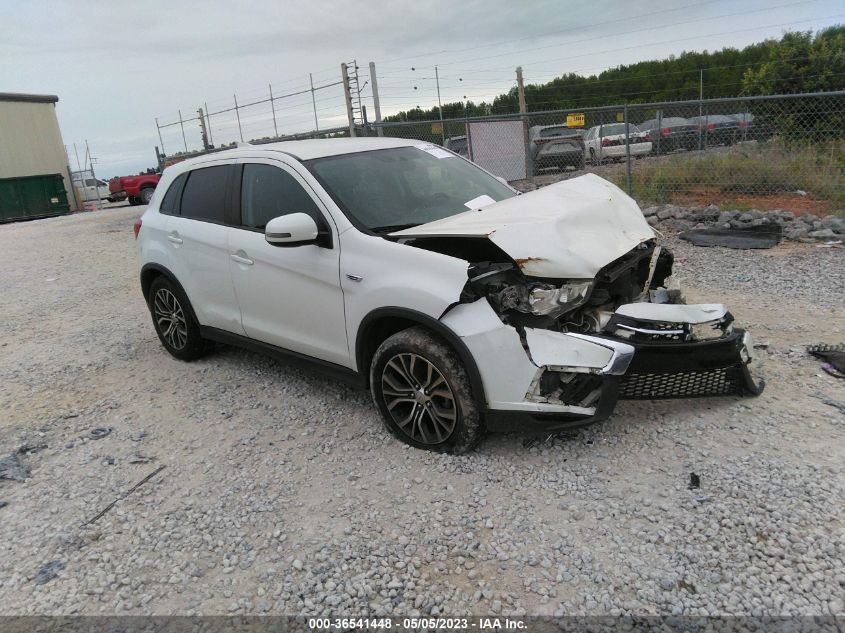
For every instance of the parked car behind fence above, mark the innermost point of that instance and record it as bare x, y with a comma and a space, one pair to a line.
556, 146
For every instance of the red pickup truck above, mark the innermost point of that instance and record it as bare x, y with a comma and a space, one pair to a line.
139, 189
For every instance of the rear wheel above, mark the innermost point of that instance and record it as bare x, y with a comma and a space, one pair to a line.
174, 321
423, 393
146, 195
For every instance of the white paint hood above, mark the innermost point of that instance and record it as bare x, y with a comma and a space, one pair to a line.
570, 229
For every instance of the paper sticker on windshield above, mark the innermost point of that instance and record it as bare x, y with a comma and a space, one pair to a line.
480, 201
437, 152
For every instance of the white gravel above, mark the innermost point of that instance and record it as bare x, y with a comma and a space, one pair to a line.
282, 493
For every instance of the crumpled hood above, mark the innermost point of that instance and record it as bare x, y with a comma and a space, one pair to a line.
570, 229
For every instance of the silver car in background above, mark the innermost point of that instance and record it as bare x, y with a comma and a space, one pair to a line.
607, 142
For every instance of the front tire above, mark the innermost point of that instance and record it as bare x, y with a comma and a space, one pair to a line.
424, 394
174, 322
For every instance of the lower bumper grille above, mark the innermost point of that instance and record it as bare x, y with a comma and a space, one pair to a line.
727, 381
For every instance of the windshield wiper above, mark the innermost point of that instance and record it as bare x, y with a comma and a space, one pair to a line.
390, 228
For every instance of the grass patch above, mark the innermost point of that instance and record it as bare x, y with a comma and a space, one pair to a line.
768, 168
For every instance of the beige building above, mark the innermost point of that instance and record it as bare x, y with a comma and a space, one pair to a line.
30, 140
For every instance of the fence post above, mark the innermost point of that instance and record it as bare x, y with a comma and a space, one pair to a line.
627, 147
183, 131
344, 73
376, 105
314, 103
158, 127
273, 108
440, 106
523, 111
238, 115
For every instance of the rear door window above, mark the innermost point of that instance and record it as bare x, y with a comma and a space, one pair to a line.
204, 195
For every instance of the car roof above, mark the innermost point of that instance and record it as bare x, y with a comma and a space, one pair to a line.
301, 150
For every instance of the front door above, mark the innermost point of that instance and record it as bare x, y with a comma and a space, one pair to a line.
289, 296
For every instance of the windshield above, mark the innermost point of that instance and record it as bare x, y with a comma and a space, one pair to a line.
390, 189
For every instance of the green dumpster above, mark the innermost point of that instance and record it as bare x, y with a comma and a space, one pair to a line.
30, 197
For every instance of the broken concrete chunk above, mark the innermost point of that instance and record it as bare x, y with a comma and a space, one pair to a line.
12, 468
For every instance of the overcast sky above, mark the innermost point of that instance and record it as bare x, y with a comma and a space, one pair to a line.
118, 65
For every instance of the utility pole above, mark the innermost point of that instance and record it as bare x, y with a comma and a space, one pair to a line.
203, 131
314, 103
158, 127
273, 108
376, 105
182, 125
208, 126
238, 114
440, 106
344, 72
523, 112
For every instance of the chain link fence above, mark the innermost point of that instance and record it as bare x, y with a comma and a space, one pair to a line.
773, 151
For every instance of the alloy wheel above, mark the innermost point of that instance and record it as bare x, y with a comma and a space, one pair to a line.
419, 399
170, 318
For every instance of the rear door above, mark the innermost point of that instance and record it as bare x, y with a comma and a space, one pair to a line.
290, 296
198, 238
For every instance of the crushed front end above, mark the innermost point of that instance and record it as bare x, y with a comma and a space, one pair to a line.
562, 352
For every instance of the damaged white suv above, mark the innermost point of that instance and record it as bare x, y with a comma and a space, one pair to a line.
402, 267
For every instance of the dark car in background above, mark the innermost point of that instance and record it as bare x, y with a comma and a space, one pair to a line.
668, 134
458, 144
748, 129
556, 146
716, 129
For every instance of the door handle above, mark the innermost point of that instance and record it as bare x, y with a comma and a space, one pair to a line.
174, 239
242, 260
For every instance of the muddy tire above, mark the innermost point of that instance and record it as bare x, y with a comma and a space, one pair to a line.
423, 392
146, 195
174, 321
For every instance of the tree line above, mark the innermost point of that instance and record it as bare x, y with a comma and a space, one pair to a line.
799, 61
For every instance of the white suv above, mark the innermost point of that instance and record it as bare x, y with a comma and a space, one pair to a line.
402, 267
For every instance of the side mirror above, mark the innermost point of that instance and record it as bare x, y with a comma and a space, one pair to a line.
294, 229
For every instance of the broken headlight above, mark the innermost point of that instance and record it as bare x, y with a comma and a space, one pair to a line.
543, 299
548, 300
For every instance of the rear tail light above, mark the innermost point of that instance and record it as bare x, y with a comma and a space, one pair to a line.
709, 126
605, 142
743, 124
647, 136
664, 131
137, 227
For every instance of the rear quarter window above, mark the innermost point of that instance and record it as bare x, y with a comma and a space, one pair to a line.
170, 202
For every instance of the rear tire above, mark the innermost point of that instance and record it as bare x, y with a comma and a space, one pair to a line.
423, 392
146, 195
174, 322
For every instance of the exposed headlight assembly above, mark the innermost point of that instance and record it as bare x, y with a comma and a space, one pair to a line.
545, 300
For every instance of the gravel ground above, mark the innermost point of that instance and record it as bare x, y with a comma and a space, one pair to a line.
282, 493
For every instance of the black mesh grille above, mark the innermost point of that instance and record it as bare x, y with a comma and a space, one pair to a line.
710, 382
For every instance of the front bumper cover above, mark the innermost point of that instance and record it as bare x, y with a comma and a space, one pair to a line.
656, 370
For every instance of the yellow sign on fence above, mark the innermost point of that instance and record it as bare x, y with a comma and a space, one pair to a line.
437, 128
575, 120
